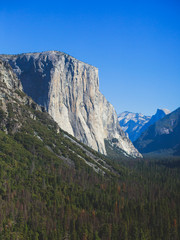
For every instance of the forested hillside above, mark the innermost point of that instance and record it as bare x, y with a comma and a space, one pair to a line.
43, 198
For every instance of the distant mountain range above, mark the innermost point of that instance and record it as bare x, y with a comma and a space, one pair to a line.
162, 137
134, 124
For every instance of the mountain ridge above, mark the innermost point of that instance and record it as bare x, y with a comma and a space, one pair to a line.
69, 90
134, 124
162, 137
4, 55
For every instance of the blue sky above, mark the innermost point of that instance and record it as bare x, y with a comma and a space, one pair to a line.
135, 44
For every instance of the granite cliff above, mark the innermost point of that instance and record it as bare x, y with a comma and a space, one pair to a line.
30, 132
69, 90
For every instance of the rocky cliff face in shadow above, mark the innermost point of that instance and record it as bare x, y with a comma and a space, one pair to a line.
69, 90
13, 101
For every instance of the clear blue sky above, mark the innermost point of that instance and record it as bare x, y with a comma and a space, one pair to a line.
135, 44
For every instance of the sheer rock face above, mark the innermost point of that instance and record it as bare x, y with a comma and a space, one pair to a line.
69, 90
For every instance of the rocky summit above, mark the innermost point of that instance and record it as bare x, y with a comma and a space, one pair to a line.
162, 137
134, 124
69, 90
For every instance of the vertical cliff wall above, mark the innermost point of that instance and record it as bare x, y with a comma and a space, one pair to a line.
69, 90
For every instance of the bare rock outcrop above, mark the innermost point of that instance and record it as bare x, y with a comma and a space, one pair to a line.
69, 90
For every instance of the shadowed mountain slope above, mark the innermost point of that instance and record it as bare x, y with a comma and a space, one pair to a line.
163, 137
134, 124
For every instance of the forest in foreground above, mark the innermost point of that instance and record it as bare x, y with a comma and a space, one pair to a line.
41, 198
